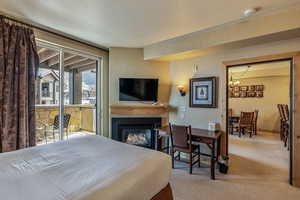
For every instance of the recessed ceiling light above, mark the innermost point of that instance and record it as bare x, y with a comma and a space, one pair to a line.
250, 11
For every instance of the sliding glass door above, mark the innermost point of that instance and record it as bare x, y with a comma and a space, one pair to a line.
68, 85
47, 90
80, 97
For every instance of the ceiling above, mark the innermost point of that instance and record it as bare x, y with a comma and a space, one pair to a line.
280, 68
49, 59
134, 23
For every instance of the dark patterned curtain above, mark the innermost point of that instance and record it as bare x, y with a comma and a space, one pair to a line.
18, 63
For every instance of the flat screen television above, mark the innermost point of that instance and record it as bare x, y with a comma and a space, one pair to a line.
136, 89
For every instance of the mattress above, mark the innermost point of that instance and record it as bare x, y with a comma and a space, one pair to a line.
83, 168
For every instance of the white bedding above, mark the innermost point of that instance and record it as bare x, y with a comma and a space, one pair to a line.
85, 168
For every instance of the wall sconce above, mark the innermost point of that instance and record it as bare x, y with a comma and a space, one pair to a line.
181, 90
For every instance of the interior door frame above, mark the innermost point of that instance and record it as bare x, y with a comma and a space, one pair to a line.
294, 58
99, 81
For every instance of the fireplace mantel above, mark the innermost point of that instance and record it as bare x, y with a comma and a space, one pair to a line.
120, 109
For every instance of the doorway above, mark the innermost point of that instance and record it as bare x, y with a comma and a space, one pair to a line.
248, 90
68, 84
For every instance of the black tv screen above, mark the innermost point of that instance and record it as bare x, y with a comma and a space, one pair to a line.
135, 89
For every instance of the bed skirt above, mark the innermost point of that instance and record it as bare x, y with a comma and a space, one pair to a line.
164, 194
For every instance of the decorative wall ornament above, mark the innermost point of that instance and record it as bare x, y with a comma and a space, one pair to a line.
245, 91
181, 90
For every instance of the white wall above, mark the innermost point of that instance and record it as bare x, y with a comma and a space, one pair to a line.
276, 91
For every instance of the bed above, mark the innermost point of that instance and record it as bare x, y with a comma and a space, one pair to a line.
85, 168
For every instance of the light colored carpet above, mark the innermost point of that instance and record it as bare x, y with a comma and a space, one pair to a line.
258, 170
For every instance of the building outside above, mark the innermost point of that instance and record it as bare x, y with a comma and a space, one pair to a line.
47, 88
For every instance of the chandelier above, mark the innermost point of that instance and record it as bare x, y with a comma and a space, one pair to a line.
233, 82
236, 82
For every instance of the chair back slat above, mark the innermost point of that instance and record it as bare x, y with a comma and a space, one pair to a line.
283, 112
286, 112
180, 136
66, 121
246, 118
230, 112
255, 117
280, 110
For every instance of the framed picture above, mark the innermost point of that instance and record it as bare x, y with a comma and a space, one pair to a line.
236, 88
236, 94
251, 88
243, 94
244, 88
251, 94
203, 92
259, 88
259, 94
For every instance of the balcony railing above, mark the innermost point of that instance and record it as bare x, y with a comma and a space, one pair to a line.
82, 121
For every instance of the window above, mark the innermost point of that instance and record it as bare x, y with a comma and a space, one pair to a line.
46, 89
89, 87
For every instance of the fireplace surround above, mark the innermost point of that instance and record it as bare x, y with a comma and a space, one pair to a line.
136, 131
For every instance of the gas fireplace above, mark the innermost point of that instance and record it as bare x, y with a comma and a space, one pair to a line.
135, 131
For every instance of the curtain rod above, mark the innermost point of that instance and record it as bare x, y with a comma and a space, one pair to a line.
52, 32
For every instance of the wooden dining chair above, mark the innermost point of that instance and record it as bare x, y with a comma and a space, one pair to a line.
255, 117
282, 121
233, 122
181, 142
246, 123
286, 130
162, 140
230, 112
286, 112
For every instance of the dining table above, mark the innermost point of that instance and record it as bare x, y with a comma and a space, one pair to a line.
211, 138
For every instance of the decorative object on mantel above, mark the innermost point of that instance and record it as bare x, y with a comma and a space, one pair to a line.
244, 91
181, 90
203, 92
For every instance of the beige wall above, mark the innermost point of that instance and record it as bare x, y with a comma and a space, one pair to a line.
129, 63
183, 70
276, 91
87, 49
212, 65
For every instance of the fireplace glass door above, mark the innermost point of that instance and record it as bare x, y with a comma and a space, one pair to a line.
139, 137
